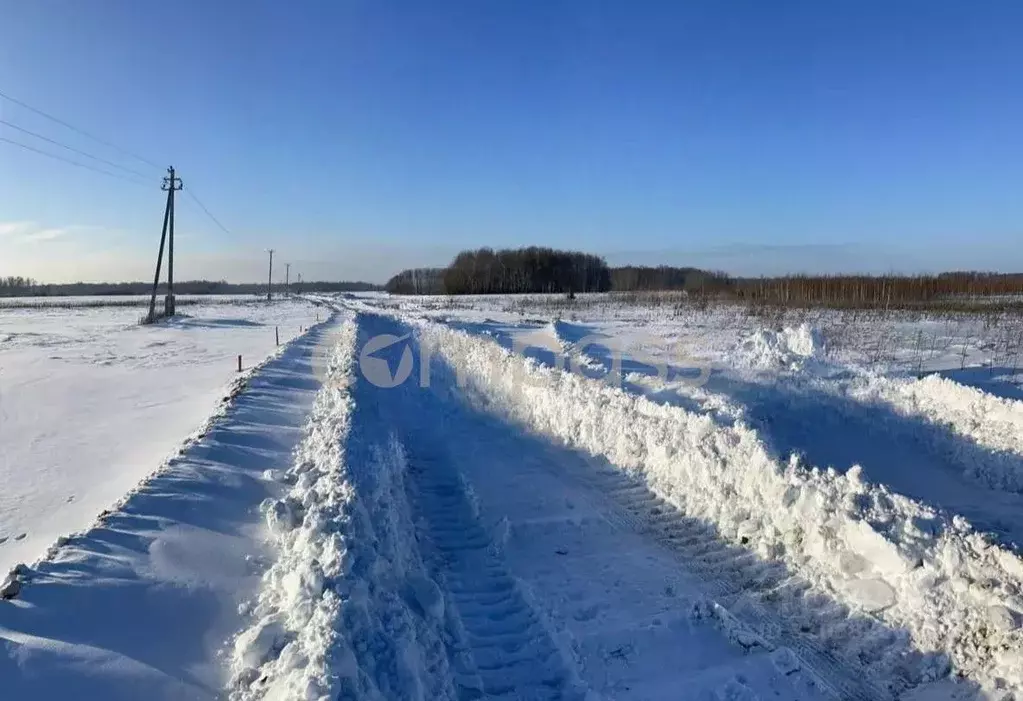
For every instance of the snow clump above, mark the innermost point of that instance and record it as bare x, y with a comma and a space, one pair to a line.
788, 348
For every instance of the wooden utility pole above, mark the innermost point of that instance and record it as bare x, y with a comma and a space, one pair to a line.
170, 184
159, 261
287, 278
270, 276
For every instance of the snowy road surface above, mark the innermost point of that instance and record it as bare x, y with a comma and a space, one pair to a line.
400, 507
490, 553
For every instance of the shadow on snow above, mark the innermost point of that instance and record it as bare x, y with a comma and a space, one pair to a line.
115, 612
911, 456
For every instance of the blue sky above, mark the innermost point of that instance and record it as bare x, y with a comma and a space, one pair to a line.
358, 137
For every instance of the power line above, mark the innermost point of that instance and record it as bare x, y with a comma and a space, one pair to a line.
80, 131
208, 213
71, 148
74, 163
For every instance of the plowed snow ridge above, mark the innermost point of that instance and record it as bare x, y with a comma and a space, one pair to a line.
990, 422
877, 552
347, 610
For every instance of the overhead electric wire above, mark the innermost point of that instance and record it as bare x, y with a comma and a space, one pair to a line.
208, 213
86, 166
72, 127
135, 181
72, 148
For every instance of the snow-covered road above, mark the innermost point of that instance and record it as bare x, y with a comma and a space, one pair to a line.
557, 592
457, 529
879, 568
397, 508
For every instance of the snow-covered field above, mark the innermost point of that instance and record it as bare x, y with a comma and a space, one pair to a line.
520, 498
92, 301
91, 402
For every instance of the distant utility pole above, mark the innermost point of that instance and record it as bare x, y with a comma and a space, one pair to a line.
171, 184
287, 278
270, 276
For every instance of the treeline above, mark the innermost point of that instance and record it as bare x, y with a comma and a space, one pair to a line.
12, 284
26, 287
535, 269
417, 281
508, 271
634, 278
877, 291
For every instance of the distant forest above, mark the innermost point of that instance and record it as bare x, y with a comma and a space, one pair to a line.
536, 269
880, 292
26, 287
545, 270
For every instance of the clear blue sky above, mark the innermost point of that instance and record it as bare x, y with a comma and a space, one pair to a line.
360, 136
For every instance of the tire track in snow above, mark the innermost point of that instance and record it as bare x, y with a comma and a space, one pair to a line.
747, 588
499, 646
510, 649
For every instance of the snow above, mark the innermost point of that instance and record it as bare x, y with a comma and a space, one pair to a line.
921, 569
140, 301
140, 604
992, 424
347, 606
453, 556
787, 348
725, 476
91, 403
579, 501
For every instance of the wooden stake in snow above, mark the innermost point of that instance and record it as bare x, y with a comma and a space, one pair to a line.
277, 336
239, 363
